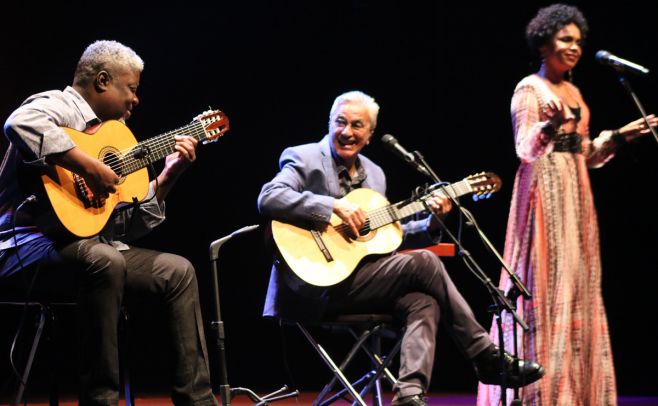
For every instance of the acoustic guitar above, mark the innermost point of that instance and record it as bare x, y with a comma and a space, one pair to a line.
81, 213
324, 255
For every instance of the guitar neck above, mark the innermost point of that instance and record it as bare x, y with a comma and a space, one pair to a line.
390, 214
158, 147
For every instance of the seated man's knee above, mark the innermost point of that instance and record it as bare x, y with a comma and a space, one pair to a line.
102, 262
181, 269
427, 265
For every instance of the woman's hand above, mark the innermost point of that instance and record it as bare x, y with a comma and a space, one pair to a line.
638, 128
560, 116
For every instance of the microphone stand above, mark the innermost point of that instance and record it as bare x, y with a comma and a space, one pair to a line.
636, 100
500, 301
226, 392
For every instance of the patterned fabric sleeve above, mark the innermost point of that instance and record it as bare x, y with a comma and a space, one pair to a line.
531, 140
602, 148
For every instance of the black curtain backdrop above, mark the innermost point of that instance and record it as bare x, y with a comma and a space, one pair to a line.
443, 73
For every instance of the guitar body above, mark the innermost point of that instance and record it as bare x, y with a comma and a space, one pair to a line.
300, 249
105, 143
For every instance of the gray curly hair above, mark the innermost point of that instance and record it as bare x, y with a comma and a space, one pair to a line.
102, 55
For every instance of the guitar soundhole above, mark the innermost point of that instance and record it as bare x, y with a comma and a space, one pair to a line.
112, 157
365, 233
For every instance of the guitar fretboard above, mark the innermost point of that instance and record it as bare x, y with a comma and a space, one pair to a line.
158, 147
389, 214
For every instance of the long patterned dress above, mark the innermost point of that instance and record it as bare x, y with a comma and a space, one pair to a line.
552, 244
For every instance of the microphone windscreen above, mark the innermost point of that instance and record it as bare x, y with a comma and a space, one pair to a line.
602, 55
388, 139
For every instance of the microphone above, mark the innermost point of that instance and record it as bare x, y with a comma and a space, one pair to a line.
392, 143
620, 64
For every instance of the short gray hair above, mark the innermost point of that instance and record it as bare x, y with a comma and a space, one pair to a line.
102, 55
356, 96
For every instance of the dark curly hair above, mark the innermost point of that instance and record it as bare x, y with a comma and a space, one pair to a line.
550, 20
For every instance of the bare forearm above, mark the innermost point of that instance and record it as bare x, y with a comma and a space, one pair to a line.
99, 177
74, 160
165, 182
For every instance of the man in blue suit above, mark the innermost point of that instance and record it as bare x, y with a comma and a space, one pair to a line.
413, 286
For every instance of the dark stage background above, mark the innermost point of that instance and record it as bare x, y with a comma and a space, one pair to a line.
443, 73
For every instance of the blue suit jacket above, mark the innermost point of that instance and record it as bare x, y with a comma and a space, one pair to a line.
304, 190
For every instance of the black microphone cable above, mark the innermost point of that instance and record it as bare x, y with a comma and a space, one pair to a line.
28, 292
135, 204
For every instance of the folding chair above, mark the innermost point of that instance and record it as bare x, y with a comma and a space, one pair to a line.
367, 331
45, 320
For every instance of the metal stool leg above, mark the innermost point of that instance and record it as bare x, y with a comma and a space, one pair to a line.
123, 357
360, 339
43, 314
332, 365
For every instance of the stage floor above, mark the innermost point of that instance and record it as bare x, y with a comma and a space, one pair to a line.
435, 399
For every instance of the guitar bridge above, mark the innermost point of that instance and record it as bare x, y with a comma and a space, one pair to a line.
85, 195
323, 248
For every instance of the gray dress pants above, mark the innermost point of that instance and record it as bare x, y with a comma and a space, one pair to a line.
417, 288
98, 276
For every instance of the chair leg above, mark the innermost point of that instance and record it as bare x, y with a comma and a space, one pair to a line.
123, 358
53, 359
376, 345
355, 348
377, 359
18, 398
332, 365
382, 369
377, 394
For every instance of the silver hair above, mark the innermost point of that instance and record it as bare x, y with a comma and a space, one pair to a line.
356, 96
103, 55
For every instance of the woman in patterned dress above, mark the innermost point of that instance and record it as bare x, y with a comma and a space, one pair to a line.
552, 240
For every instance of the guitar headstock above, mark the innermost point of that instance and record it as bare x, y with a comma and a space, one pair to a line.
215, 124
483, 184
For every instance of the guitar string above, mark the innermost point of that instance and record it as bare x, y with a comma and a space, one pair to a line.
163, 145
160, 143
122, 156
381, 216
382, 213
375, 214
157, 142
377, 218
131, 164
160, 146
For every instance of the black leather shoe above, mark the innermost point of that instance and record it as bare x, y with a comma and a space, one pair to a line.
414, 400
487, 367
